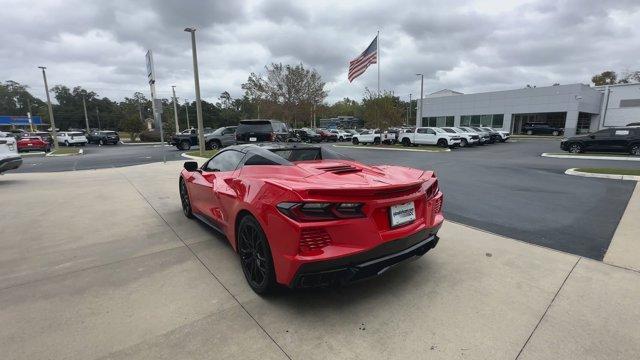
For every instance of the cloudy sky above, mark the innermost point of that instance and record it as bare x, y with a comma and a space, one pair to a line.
469, 46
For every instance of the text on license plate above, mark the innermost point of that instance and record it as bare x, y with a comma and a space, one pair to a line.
253, 139
402, 214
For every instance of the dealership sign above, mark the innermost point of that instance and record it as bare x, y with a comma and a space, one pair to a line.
20, 120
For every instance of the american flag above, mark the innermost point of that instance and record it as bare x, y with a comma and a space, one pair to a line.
360, 64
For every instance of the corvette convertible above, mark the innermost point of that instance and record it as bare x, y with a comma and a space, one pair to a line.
304, 216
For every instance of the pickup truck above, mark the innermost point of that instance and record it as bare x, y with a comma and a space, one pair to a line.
373, 137
429, 136
9, 157
221, 137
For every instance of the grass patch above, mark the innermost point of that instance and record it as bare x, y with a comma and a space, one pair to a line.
205, 154
427, 148
612, 171
591, 154
65, 151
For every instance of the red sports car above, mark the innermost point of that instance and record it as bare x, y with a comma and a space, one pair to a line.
29, 143
305, 216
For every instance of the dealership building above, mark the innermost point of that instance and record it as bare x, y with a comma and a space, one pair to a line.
577, 108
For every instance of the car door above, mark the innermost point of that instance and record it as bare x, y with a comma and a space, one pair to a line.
207, 185
429, 137
229, 136
598, 141
619, 140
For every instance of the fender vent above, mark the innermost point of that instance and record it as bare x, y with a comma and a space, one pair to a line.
313, 239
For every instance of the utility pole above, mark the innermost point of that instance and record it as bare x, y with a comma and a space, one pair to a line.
98, 115
175, 108
140, 111
196, 80
410, 109
419, 120
86, 118
186, 110
28, 114
53, 122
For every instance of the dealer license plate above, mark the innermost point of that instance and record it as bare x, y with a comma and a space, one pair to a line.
402, 214
253, 139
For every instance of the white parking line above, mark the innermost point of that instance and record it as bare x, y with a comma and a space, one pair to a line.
387, 148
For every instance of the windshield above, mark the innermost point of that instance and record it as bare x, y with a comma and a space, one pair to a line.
254, 126
438, 130
449, 130
218, 131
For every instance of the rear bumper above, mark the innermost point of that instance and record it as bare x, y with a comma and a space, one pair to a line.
11, 163
365, 264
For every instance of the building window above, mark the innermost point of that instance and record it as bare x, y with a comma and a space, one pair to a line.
494, 121
630, 103
438, 121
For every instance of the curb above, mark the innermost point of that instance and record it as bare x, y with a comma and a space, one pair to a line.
141, 143
574, 172
192, 157
587, 157
386, 148
34, 154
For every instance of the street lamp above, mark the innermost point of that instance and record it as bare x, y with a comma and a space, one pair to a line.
196, 79
175, 108
53, 122
419, 121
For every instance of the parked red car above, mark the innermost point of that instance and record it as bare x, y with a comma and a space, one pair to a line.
29, 143
327, 135
305, 216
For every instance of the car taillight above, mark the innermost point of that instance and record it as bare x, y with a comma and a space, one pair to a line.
432, 190
318, 211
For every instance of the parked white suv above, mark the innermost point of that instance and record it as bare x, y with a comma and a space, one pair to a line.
504, 135
372, 137
69, 138
342, 135
466, 138
9, 157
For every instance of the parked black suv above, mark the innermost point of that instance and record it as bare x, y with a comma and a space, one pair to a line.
307, 135
103, 137
257, 130
623, 139
542, 129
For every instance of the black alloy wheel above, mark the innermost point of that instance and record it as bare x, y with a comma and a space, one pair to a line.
255, 256
442, 143
213, 145
185, 145
635, 149
406, 142
184, 199
464, 142
575, 148
355, 141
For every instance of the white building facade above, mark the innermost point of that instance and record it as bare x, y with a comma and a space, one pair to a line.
577, 108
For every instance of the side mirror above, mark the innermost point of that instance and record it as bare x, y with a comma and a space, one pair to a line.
190, 166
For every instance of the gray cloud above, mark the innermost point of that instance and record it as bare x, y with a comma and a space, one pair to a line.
463, 45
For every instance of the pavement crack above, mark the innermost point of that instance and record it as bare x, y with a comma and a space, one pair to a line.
547, 309
205, 266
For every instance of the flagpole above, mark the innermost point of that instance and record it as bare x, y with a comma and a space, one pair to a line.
378, 46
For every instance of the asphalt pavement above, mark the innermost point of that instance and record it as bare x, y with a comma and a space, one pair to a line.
509, 189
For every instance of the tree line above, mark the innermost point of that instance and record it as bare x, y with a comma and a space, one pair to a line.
292, 93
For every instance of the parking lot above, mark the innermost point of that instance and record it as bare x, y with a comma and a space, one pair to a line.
504, 188
113, 270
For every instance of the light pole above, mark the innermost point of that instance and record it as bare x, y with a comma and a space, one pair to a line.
196, 79
186, 110
409, 115
419, 120
86, 118
53, 122
175, 108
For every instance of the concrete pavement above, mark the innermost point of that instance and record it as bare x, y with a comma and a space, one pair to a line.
106, 266
624, 249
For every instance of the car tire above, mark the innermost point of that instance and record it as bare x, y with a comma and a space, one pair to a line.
635, 150
575, 148
184, 199
529, 132
185, 145
255, 256
341, 138
66, 143
464, 143
355, 141
213, 145
406, 142
442, 143
376, 141
555, 133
